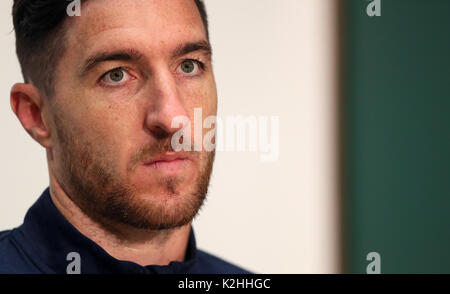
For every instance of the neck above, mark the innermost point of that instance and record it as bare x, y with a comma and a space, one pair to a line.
144, 247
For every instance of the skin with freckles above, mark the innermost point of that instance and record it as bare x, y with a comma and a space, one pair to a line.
130, 67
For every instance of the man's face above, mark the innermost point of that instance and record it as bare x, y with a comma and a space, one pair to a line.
129, 68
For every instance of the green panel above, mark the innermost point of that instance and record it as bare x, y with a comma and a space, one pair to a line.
397, 135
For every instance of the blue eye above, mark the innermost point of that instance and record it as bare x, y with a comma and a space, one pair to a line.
115, 76
190, 67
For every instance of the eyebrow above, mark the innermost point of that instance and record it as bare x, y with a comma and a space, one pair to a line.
134, 55
191, 47
127, 55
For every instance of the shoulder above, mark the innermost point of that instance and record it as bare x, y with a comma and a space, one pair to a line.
210, 264
13, 259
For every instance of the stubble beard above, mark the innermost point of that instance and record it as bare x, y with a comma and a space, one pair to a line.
93, 185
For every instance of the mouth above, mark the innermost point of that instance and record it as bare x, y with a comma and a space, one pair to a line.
171, 162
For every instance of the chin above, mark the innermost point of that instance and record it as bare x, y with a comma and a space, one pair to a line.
158, 183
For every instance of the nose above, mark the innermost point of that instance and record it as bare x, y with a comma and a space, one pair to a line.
166, 104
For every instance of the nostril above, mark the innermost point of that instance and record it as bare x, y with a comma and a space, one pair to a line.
159, 132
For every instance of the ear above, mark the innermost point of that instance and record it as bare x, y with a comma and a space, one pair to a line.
27, 104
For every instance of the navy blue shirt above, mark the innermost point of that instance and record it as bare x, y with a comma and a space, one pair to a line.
42, 243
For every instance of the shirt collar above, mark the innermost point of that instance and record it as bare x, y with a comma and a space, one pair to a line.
47, 238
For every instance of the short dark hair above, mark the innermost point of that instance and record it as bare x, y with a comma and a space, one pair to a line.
40, 38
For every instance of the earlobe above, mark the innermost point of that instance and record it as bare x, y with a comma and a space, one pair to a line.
27, 104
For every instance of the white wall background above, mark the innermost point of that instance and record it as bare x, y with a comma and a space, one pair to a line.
271, 57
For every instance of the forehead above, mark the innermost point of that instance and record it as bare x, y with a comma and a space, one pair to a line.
157, 24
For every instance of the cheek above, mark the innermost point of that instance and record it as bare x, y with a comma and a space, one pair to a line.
202, 95
109, 136
116, 137
109, 126
211, 96
210, 101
